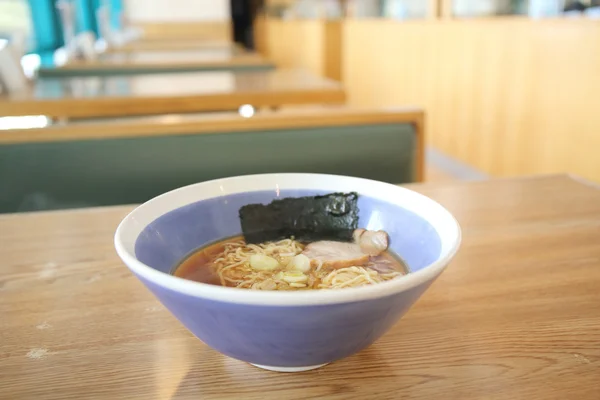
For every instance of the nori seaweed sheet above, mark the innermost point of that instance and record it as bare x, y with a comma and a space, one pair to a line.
328, 217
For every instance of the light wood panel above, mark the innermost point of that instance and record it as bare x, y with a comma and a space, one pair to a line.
260, 32
516, 315
508, 96
205, 30
444, 8
176, 45
287, 118
312, 44
333, 50
169, 93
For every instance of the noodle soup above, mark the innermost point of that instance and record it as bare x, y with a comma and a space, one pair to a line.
288, 265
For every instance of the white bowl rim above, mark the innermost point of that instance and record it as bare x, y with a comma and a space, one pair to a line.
293, 298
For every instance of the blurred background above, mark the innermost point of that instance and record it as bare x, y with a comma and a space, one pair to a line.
509, 87
506, 87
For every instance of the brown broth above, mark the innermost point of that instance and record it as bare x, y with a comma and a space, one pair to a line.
196, 266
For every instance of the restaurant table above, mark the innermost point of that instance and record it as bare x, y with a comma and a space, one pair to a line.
139, 62
515, 316
88, 97
174, 44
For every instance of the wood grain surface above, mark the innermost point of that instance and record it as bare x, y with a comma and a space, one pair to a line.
86, 97
317, 45
184, 30
192, 124
501, 93
516, 315
176, 45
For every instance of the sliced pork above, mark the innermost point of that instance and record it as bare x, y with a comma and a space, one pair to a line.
335, 254
372, 243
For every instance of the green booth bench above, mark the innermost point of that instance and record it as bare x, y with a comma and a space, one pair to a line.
89, 164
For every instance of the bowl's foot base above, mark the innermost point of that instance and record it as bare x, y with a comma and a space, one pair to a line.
289, 369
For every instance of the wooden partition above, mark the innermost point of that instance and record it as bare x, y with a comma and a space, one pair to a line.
508, 95
312, 44
261, 34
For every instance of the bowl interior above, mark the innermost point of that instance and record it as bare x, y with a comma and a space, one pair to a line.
168, 239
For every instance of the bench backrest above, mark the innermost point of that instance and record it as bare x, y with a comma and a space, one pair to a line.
67, 173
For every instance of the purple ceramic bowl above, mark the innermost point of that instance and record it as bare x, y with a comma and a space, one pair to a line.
284, 331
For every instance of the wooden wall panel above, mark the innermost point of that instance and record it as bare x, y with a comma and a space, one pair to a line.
509, 96
315, 45
332, 50
296, 44
261, 35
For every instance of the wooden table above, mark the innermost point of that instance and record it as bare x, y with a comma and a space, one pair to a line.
172, 44
169, 93
161, 61
516, 316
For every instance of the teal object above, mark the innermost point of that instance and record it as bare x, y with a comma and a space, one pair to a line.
102, 172
46, 58
116, 14
116, 70
46, 26
85, 17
